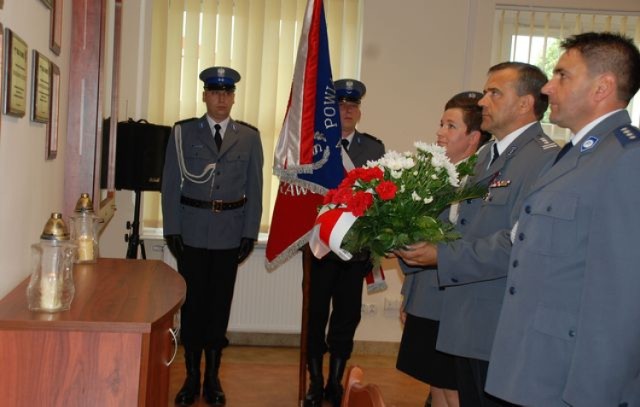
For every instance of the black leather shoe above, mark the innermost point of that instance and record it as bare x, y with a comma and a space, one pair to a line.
314, 396
212, 392
211, 387
191, 388
315, 393
333, 391
188, 393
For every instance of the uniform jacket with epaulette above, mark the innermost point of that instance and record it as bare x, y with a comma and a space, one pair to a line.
474, 268
238, 174
569, 330
364, 147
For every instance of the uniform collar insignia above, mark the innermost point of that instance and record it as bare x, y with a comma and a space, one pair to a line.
589, 143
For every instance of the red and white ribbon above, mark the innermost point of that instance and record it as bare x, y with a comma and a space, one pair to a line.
329, 231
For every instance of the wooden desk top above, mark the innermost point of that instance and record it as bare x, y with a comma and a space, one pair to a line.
118, 295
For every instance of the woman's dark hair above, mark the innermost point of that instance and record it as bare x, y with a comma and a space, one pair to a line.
471, 112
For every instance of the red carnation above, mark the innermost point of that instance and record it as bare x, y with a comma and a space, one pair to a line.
359, 203
342, 196
386, 190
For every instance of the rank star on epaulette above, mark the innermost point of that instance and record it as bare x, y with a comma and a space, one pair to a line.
500, 183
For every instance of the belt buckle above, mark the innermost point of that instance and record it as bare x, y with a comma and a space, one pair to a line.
217, 205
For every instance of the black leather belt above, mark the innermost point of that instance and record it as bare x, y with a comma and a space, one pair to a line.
215, 206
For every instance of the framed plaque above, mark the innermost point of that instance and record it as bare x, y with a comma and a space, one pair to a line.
52, 126
56, 27
41, 86
15, 74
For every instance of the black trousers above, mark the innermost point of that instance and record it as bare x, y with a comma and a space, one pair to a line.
472, 376
334, 284
210, 276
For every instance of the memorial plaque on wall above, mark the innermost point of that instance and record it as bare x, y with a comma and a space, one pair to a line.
15, 75
41, 85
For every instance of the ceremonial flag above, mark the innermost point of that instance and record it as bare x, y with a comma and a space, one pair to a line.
308, 154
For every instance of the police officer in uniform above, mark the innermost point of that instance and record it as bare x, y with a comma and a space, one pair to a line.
473, 268
336, 283
211, 205
568, 333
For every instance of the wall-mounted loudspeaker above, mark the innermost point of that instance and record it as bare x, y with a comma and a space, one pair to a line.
140, 153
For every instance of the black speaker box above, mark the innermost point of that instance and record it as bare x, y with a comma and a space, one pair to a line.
140, 153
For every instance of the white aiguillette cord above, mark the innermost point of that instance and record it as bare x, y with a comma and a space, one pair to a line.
197, 179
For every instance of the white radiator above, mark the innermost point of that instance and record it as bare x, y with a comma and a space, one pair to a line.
264, 301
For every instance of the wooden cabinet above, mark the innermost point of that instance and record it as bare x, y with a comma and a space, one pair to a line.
112, 348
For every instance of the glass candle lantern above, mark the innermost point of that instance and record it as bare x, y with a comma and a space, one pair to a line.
51, 287
84, 230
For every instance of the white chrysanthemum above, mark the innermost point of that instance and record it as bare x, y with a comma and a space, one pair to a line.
415, 173
415, 196
452, 172
434, 176
428, 200
396, 161
432, 148
439, 159
402, 188
395, 174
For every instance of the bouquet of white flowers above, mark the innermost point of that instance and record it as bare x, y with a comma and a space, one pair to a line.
392, 202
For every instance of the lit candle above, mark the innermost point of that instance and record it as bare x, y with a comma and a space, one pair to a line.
50, 283
85, 248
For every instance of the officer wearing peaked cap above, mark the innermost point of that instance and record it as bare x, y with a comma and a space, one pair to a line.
333, 281
360, 147
219, 78
211, 206
350, 90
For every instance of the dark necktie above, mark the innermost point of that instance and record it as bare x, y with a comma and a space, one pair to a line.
345, 144
217, 137
564, 150
495, 154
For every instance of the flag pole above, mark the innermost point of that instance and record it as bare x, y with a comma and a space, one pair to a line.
306, 283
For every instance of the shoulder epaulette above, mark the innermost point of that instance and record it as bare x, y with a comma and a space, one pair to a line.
627, 134
247, 125
374, 138
186, 120
546, 142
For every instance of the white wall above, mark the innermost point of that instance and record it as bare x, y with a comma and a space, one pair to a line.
30, 187
134, 85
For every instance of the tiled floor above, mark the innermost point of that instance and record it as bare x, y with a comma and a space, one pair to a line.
268, 377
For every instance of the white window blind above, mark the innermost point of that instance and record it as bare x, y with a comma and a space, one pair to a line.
258, 38
533, 35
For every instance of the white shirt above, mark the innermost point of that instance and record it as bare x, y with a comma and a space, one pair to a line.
575, 138
349, 138
506, 141
223, 126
